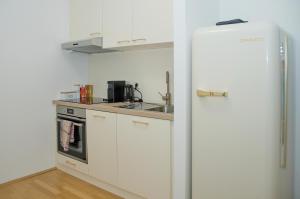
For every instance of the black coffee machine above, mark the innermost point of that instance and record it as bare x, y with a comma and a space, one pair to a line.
119, 91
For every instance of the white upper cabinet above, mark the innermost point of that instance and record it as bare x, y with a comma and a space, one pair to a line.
152, 21
137, 22
85, 19
102, 145
144, 156
117, 23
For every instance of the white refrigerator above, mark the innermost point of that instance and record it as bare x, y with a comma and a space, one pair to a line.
239, 108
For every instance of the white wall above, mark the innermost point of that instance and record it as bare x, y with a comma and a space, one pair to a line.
286, 14
188, 15
146, 67
33, 69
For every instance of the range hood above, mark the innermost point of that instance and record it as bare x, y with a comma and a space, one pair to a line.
89, 46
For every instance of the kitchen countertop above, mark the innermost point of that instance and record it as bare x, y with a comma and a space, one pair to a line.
112, 108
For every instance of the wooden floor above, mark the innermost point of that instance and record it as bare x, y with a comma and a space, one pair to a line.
53, 185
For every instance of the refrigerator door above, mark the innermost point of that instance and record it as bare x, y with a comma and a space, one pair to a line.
236, 112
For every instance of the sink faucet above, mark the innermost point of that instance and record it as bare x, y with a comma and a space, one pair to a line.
167, 97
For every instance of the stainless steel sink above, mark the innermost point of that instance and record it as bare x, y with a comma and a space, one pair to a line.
163, 109
148, 107
138, 106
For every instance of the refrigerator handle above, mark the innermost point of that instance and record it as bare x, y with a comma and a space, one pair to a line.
284, 133
205, 93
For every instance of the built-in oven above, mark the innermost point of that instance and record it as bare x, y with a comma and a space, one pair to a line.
76, 117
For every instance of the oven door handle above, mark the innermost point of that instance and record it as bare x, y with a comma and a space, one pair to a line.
74, 123
69, 117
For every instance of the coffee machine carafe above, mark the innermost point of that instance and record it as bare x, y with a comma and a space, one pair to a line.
129, 93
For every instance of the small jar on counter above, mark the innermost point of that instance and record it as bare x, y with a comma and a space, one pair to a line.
89, 90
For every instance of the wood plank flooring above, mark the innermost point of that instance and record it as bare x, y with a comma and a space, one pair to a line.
53, 185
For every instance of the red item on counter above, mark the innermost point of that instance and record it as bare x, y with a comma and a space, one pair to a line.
82, 92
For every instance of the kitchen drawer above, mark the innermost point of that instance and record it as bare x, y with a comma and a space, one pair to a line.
73, 164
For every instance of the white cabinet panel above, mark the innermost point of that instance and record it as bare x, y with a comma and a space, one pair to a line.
152, 21
85, 19
73, 164
117, 23
102, 146
144, 156
137, 22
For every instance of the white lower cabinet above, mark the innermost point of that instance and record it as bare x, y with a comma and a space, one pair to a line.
144, 156
130, 152
102, 145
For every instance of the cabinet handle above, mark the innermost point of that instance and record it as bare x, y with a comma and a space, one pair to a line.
139, 122
70, 163
142, 39
123, 41
95, 34
99, 116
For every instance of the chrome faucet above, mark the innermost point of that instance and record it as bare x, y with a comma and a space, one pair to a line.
167, 97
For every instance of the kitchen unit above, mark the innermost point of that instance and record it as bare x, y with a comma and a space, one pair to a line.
240, 112
128, 150
127, 143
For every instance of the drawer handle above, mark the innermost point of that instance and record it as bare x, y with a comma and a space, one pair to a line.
124, 41
99, 116
142, 39
139, 122
70, 163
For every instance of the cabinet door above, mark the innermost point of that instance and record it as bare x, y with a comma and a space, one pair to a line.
117, 23
152, 21
144, 156
85, 19
102, 148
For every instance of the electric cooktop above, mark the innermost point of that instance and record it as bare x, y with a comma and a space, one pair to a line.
89, 101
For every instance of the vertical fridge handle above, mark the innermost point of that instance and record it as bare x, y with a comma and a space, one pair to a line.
284, 133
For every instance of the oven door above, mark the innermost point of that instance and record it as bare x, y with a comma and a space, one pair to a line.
77, 149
